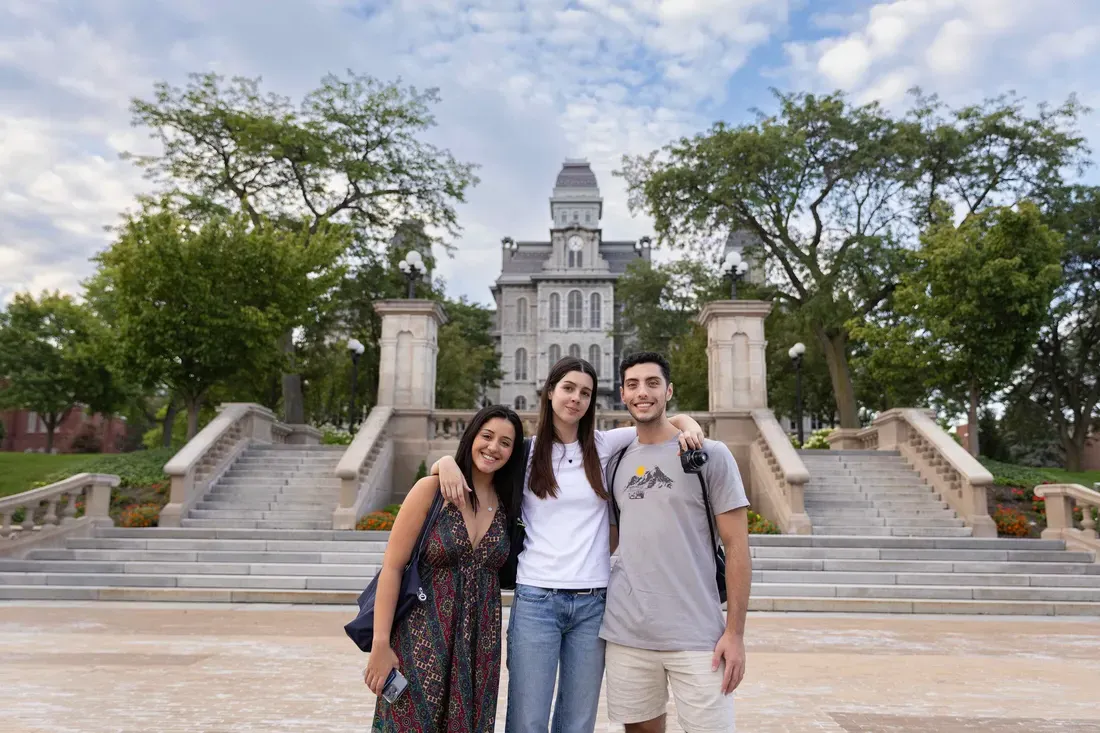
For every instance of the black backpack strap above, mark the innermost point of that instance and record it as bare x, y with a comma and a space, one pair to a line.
718, 550
618, 458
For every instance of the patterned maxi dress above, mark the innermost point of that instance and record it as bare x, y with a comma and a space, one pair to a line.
449, 646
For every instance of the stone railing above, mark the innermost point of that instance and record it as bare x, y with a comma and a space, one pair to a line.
50, 511
450, 424
952, 472
1060, 500
778, 476
210, 453
366, 470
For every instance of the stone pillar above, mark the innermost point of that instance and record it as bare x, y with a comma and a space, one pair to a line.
736, 374
409, 344
406, 379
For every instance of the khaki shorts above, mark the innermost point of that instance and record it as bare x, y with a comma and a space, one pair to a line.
638, 682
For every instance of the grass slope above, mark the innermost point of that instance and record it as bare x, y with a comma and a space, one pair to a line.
23, 471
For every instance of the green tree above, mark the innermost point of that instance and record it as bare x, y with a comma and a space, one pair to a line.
350, 152
197, 306
467, 363
834, 193
659, 304
973, 306
51, 359
1063, 375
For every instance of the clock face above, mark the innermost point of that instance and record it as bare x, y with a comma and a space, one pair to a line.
576, 243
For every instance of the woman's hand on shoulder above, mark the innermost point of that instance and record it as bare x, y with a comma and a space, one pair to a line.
452, 484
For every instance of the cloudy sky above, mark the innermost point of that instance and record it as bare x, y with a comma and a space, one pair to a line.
524, 84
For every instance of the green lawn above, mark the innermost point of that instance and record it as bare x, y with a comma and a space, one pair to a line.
19, 471
1085, 478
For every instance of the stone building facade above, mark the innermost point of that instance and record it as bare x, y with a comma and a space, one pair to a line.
557, 297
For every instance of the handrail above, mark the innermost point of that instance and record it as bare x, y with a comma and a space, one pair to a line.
210, 453
95, 488
366, 462
1060, 499
778, 476
957, 476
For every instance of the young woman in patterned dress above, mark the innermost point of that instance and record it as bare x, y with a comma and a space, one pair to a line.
449, 646
561, 566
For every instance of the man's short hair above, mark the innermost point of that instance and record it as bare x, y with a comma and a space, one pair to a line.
644, 357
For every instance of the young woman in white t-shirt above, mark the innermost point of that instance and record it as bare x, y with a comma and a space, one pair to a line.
559, 565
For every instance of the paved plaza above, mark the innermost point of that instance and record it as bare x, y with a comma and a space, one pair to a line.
111, 667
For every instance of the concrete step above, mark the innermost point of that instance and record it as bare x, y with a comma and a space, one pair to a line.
232, 582
895, 531
290, 495
317, 557
224, 533
291, 481
312, 514
926, 566
253, 524
250, 505
886, 553
927, 579
80, 567
222, 545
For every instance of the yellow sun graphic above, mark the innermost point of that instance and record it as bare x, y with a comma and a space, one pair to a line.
640, 471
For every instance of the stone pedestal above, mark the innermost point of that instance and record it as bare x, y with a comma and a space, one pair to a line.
406, 380
737, 367
409, 345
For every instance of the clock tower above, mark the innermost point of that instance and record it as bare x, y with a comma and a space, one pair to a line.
576, 200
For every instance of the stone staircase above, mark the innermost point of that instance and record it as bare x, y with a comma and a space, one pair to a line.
273, 487
883, 543
873, 494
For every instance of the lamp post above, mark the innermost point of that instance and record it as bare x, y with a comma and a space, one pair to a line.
734, 268
356, 348
414, 269
796, 353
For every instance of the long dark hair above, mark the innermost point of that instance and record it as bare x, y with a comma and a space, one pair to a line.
543, 483
508, 478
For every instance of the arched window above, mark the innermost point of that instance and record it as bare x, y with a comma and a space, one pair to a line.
521, 403
521, 315
594, 357
576, 309
575, 351
555, 310
554, 355
521, 365
594, 308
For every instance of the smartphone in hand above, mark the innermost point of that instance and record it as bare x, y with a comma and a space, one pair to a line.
395, 686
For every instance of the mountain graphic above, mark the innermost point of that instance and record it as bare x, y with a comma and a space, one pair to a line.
651, 479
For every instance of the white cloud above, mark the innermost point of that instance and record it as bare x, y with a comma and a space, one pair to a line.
525, 83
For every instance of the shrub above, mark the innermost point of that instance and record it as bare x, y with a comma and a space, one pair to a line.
1011, 522
794, 442
818, 440
140, 515
392, 509
1021, 477
759, 525
422, 471
87, 440
333, 436
376, 521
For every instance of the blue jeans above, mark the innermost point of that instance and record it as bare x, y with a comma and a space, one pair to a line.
554, 635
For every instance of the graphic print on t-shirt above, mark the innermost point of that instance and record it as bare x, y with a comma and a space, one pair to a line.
642, 480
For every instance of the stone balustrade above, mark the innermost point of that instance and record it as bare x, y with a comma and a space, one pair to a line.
210, 453
450, 424
778, 476
365, 470
56, 506
1060, 500
953, 473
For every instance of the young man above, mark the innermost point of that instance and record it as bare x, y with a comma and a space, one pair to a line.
663, 622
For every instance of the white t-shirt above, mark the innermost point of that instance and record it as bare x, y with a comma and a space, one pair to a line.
567, 543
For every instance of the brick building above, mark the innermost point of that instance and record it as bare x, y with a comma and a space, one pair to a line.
24, 430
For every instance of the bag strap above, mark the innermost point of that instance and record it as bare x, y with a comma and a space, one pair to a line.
710, 512
618, 458
433, 514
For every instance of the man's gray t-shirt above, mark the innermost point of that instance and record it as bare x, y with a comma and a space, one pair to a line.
662, 593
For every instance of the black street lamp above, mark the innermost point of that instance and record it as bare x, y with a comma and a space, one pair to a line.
414, 269
735, 269
356, 348
796, 353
